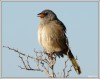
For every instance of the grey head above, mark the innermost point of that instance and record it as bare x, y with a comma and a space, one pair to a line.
47, 15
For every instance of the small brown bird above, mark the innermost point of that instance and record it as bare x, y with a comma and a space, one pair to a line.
51, 35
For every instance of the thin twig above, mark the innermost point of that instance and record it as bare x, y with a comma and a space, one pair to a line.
23, 61
68, 72
28, 63
15, 50
64, 70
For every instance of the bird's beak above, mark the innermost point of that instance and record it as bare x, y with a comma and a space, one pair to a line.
41, 15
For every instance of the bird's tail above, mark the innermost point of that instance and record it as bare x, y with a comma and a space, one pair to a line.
73, 61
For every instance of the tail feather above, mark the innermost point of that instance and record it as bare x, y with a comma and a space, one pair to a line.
74, 62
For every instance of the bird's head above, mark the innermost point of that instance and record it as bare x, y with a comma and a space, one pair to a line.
47, 15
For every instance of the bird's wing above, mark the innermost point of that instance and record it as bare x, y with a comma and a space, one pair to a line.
58, 29
63, 28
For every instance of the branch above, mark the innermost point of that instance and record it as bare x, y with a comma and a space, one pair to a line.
64, 70
16, 50
38, 59
68, 72
42, 61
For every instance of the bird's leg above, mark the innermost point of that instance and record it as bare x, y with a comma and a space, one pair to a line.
49, 56
54, 56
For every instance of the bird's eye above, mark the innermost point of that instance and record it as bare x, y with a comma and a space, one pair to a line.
45, 13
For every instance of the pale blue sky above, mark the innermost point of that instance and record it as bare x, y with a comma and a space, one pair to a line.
19, 30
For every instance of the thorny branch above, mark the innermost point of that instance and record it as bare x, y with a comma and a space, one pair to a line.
42, 61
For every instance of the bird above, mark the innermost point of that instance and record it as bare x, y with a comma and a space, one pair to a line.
52, 37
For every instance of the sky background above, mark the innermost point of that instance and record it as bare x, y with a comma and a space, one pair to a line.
19, 30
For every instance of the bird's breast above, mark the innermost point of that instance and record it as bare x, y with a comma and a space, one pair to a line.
50, 38
51, 33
